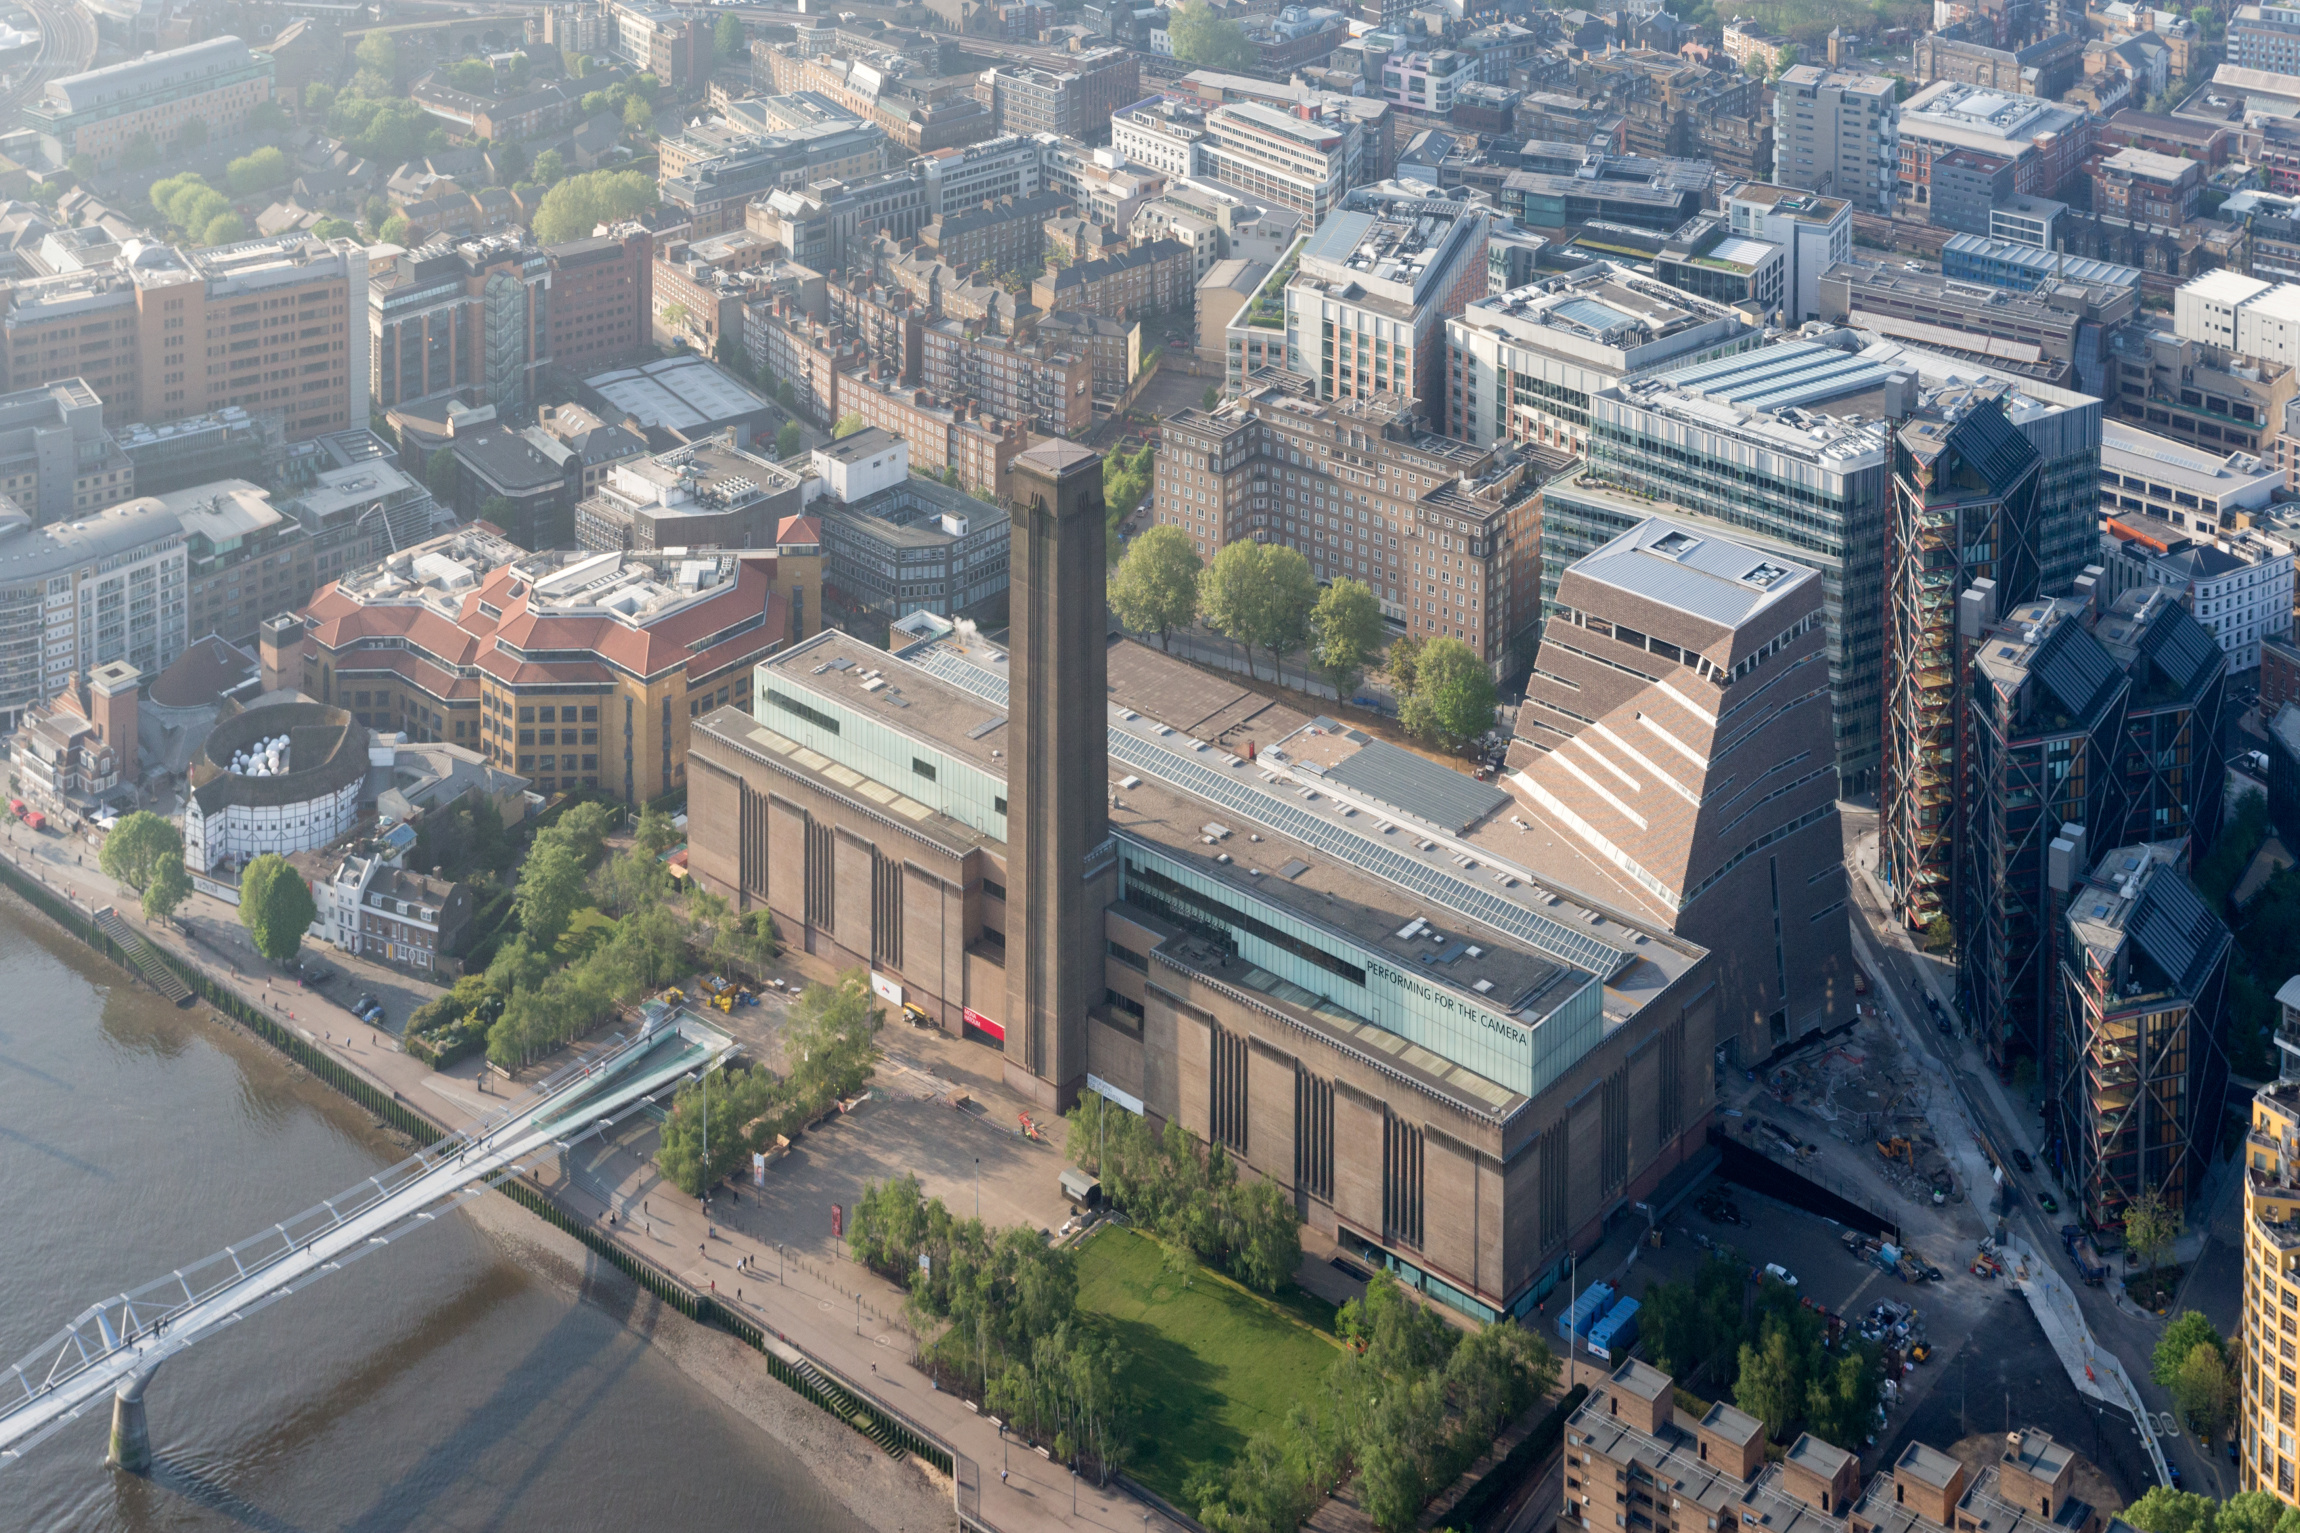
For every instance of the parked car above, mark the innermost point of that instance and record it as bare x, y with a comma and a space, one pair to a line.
2048, 1202
2020, 1159
1781, 1274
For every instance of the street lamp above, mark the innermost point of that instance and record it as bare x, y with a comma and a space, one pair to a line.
978, 1189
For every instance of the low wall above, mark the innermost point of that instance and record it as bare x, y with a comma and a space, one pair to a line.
1761, 1173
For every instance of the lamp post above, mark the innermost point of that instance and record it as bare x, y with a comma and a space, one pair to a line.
978, 1189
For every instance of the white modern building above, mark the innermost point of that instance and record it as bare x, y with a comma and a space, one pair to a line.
2252, 318
110, 585
1529, 361
1814, 233
1366, 309
2172, 516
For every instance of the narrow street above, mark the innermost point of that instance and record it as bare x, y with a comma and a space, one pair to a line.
1902, 974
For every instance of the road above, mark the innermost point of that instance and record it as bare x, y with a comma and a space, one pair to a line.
1902, 975
67, 46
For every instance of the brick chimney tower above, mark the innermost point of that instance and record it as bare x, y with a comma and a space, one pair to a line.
112, 709
1058, 846
279, 652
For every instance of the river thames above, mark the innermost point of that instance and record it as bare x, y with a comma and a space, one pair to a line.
434, 1385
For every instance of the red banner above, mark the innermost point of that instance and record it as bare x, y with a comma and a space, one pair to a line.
838, 1220
976, 1019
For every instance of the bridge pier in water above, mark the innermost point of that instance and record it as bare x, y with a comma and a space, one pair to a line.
131, 1428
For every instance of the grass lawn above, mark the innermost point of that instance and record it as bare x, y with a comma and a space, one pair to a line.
1213, 1363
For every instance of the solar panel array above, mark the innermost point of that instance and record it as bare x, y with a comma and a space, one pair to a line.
2177, 930
1544, 934
2180, 646
2078, 670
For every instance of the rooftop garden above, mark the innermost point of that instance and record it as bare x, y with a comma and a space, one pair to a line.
1266, 310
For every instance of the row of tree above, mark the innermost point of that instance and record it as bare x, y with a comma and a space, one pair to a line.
1408, 1406
1771, 1357
1189, 1196
716, 1125
147, 852
1264, 596
1002, 1307
2165, 1510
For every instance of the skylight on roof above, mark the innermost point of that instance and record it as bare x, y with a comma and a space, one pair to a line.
1675, 543
1765, 575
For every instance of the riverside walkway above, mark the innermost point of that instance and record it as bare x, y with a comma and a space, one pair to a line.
115, 1346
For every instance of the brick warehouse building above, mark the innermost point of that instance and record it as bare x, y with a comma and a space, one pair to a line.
1066, 855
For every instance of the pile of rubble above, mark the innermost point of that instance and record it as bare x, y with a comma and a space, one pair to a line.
1870, 1094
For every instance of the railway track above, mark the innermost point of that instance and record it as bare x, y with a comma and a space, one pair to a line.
67, 46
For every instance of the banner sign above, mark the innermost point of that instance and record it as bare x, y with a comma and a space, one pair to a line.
976, 1019
1104, 1089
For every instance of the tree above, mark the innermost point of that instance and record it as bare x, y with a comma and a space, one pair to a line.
2188, 1331
439, 474
785, 395
1771, 1387
472, 76
318, 100
335, 229
224, 229
2204, 1390
550, 167
510, 164
140, 154
674, 315
275, 906
2150, 1227
1453, 696
134, 847
1212, 396
1403, 663
252, 173
170, 887
81, 166
192, 134
2256, 1511
1841, 1403
575, 206
551, 886
1346, 627
1200, 37
1940, 935
655, 836
788, 439
268, 117
1260, 594
2165, 1510
848, 424
379, 51
496, 509
727, 38
395, 230
638, 117
1155, 587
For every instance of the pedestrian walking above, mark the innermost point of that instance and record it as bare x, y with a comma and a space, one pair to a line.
1002, 1477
